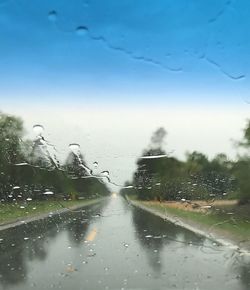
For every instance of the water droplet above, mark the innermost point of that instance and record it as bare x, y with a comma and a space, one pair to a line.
82, 30
75, 148
154, 156
95, 164
22, 206
48, 192
29, 199
127, 187
38, 129
97, 215
91, 255
16, 187
105, 173
21, 164
26, 238
52, 16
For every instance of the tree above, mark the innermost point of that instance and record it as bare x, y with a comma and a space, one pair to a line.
73, 165
242, 167
11, 133
158, 137
40, 170
163, 177
246, 136
158, 177
242, 173
149, 171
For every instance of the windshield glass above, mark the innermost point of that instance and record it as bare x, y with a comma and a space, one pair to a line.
124, 144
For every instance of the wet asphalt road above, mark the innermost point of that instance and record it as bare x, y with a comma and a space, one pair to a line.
115, 246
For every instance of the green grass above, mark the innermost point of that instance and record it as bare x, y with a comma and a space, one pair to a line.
10, 212
237, 224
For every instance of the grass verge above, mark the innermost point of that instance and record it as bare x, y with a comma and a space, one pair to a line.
232, 220
10, 212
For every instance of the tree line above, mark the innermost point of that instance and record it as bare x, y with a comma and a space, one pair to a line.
28, 170
159, 176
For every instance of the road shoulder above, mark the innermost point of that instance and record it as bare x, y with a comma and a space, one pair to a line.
219, 236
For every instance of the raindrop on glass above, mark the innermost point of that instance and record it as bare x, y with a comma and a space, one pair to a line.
75, 148
52, 16
105, 173
38, 129
81, 30
48, 192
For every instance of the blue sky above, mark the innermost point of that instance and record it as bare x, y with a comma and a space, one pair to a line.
107, 73
165, 51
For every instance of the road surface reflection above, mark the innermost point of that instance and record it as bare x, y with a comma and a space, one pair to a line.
113, 246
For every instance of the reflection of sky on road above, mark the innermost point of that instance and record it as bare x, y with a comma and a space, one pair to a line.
129, 249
